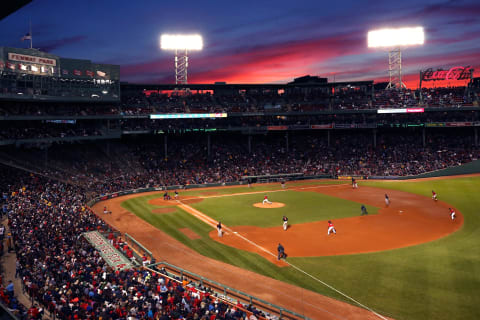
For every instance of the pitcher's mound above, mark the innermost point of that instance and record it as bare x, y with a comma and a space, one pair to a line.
269, 206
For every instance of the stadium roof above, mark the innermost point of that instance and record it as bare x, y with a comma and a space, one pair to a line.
277, 86
9, 7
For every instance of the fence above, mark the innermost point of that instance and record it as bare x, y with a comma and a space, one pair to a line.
137, 247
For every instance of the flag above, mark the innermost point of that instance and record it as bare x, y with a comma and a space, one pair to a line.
77, 72
27, 36
101, 74
10, 65
64, 71
89, 73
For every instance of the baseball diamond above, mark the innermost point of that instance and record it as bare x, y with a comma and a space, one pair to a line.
390, 228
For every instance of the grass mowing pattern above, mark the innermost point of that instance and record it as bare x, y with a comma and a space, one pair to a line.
435, 280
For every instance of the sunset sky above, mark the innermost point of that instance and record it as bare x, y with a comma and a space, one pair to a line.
250, 41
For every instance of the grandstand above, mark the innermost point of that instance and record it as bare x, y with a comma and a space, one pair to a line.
72, 132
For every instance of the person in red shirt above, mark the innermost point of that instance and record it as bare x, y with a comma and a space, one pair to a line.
434, 195
265, 200
452, 213
331, 228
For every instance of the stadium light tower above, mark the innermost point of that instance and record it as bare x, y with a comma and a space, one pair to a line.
181, 44
394, 40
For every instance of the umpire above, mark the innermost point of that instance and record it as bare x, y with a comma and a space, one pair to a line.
281, 252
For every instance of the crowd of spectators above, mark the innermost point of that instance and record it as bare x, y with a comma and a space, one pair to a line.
15, 130
12, 109
191, 159
47, 130
65, 275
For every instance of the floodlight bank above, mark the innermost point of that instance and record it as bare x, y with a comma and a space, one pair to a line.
181, 42
396, 37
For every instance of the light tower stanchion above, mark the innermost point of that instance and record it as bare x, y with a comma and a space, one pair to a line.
395, 69
181, 66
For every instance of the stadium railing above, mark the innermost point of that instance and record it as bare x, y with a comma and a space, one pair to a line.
5, 313
224, 292
137, 246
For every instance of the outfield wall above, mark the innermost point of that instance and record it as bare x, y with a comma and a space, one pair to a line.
272, 178
468, 168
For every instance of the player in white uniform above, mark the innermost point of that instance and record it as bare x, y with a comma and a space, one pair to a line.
434, 195
387, 200
285, 223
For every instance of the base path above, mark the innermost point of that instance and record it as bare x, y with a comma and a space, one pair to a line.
410, 219
166, 248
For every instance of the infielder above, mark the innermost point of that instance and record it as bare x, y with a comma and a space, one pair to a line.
452, 213
219, 229
387, 200
265, 200
285, 223
364, 210
331, 228
434, 195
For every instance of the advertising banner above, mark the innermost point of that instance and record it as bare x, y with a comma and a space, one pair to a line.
455, 73
322, 126
458, 124
345, 125
277, 128
31, 59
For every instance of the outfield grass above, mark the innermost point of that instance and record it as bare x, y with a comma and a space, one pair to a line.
435, 280
259, 187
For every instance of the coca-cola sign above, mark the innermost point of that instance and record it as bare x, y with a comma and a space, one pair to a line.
455, 73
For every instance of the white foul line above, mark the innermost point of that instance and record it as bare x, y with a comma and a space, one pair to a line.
265, 191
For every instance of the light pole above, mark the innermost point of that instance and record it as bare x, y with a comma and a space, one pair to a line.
181, 44
394, 40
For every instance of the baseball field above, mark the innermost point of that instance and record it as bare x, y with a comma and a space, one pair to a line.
408, 260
